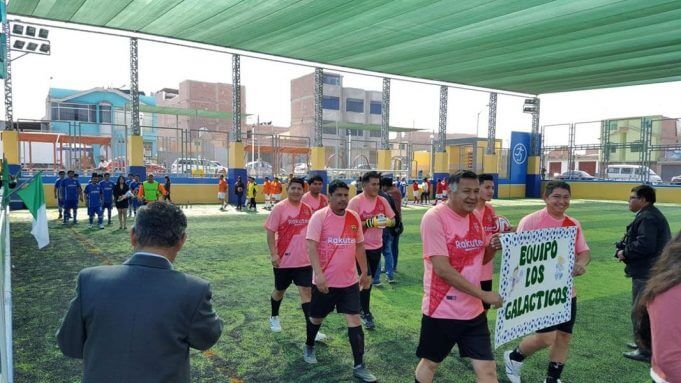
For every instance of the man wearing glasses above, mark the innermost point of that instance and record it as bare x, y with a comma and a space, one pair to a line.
643, 242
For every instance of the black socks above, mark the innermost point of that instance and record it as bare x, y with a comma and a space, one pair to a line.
312, 330
356, 337
275, 306
516, 355
554, 371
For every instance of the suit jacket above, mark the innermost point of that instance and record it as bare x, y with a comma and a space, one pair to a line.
136, 322
646, 237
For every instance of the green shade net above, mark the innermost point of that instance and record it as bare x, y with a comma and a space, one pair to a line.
528, 46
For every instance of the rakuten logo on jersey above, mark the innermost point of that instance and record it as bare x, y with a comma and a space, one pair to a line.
340, 241
296, 222
469, 244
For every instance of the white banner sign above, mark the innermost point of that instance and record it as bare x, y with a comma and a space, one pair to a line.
535, 281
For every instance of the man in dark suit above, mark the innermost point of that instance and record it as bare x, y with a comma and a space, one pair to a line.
646, 236
136, 322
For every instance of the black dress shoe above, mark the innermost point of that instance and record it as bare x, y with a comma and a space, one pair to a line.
637, 355
632, 345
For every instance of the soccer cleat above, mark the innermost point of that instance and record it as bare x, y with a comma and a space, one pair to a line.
554, 381
361, 372
368, 321
90, 226
376, 284
101, 226
275, 325
320, 337
512, 368
309, 355
391, 280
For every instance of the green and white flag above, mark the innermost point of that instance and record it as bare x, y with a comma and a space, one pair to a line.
33, 196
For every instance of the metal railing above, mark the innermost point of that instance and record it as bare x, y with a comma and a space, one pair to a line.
641, 149
6, 353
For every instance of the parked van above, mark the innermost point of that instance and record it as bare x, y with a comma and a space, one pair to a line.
631, 173
193, 165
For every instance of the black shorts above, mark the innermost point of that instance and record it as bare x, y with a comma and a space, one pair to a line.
565, 327
438, 336
344, 299
300, 276
486, 286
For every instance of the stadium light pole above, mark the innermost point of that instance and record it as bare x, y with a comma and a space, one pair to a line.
477, 123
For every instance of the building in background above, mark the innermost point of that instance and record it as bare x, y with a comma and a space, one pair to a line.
621, 142
195, 120
95, 120
342, 108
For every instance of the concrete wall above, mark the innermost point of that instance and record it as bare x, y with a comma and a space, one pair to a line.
619, 191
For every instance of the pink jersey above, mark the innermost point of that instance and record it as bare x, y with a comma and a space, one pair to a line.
289, 223
488, 218
316, 203
462, 240
541, 219
337, 237
368, 208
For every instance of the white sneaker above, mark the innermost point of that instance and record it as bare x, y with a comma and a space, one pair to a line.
309, 354
512, 368
275, 326
320, 337
558, 381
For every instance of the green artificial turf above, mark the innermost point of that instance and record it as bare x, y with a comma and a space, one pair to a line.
230, 251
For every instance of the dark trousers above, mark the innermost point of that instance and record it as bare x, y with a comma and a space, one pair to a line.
637, 286
396, 247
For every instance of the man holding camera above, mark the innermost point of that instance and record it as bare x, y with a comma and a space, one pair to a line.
643, 242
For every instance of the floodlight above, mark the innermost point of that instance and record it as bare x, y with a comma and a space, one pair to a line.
32, 46
18, 29
43, 33
30, 31
531, 105
18, 44
45, 48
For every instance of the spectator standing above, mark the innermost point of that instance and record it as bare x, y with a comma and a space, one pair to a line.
167, 187
239, 190
135, 322
121, 193
643, 243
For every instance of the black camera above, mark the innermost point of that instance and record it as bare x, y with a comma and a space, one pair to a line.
620, 245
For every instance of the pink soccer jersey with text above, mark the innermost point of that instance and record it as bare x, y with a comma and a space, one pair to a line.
463, 241
289, 223
337, 237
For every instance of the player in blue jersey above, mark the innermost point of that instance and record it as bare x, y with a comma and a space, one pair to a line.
72, 192
93, 201
59, 193
106, 187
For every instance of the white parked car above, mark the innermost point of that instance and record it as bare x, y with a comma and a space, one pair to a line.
259, 168
676, 180
631, 173
301, 169
191, 165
